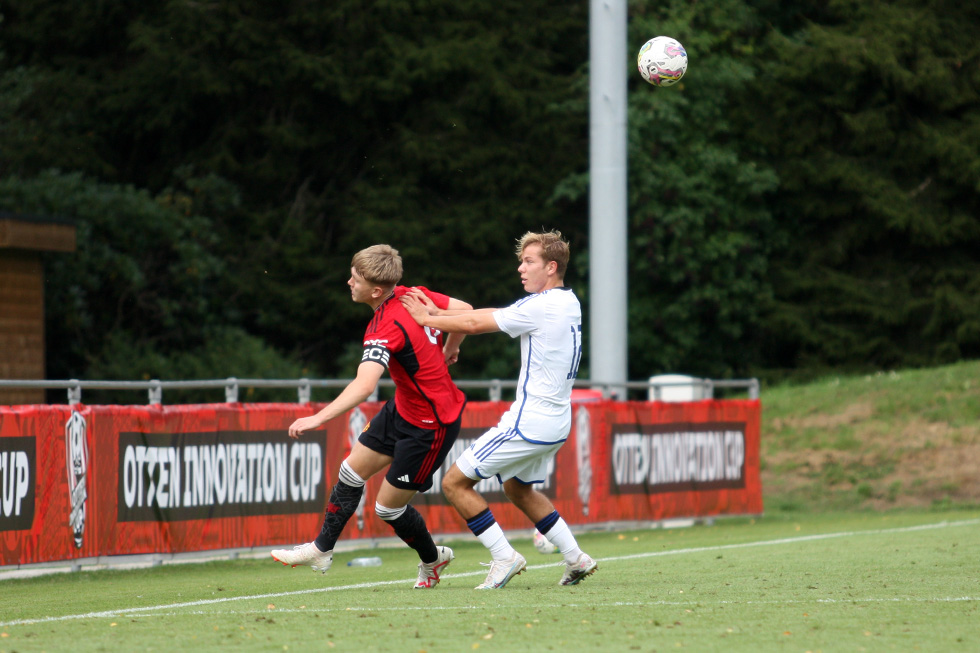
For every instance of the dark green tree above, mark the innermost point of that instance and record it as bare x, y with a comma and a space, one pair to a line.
806, 198
871, 113
144, 280
429, 125
702, 231
699, 228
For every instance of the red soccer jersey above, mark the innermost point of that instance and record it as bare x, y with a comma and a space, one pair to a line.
425, 394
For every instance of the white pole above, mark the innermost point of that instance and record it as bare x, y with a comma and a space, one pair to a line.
607, 194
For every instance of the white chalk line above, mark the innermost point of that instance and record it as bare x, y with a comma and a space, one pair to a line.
156, 609
565, 604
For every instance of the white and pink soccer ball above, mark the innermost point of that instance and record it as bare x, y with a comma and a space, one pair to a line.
542, 544
662, 61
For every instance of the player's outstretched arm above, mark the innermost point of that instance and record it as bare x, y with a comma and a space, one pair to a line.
450, 349
456, 306
465, 322
368, 375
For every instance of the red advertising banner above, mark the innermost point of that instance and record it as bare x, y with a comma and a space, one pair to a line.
90, 481
658, 460
34, 491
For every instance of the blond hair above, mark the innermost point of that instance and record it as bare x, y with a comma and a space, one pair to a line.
553, 248
378, 264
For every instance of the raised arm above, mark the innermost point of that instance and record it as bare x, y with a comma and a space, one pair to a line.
458, 305
450, 349
368, 375
450, 321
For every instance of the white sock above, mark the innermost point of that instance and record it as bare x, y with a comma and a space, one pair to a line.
493, 538
561, 536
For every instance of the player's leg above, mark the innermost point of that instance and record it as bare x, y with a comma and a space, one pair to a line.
486, 457
360, 465
393, 507
407, 522
460, 492
547, 521
418, 453
371, 453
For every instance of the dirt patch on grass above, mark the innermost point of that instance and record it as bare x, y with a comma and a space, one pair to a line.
922, 464
854, 413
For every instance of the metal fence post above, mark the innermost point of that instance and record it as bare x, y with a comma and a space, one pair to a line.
231, 390
495, 390
304, 391
155, 393
74, 393
657, 390
708, 389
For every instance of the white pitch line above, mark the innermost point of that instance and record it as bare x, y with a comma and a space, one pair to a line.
615, 604
802, 538
276, 595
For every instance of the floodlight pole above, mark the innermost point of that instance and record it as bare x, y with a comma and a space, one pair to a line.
607, 194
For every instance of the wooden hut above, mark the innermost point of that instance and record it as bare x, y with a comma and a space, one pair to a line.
22, 241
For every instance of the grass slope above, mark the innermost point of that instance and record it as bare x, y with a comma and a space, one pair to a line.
889, 440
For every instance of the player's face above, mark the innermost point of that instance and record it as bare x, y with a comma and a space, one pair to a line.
360, 288
533, 269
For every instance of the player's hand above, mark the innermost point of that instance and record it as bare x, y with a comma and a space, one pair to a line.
451, 355
418, 305
430, 305
302, 425
414, 307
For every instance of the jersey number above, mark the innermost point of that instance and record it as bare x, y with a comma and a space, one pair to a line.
433, 334
576, 350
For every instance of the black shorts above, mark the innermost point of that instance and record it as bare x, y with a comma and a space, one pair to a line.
416, 452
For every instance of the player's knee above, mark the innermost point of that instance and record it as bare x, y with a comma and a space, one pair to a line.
349, 476
517, 492
388, 514
455, 482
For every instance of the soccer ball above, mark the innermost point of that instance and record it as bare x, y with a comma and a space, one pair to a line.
542, 544
662, 61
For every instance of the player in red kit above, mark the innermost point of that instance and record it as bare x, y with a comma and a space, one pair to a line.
413, 432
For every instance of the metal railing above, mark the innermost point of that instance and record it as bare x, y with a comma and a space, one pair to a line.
304, 387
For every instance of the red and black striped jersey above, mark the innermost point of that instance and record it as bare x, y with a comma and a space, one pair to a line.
425, 394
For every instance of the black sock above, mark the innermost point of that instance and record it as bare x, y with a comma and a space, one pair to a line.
410, 526
342, 504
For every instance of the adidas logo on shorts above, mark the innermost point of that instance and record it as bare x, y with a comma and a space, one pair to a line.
404, 478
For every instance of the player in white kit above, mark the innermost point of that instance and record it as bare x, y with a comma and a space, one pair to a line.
517, 451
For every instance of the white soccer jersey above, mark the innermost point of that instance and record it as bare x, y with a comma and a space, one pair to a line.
550, 326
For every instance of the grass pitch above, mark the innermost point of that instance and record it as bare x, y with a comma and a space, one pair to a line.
832, 582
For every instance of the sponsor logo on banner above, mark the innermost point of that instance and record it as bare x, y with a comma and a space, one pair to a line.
18, 475
356, 423
583, 451
489, 488
677, 457
76, 459
182, 476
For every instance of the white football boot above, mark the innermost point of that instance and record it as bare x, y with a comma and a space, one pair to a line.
576, 571
429, 573
503, 571
305, 554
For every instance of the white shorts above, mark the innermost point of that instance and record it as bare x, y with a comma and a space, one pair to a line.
505, 454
